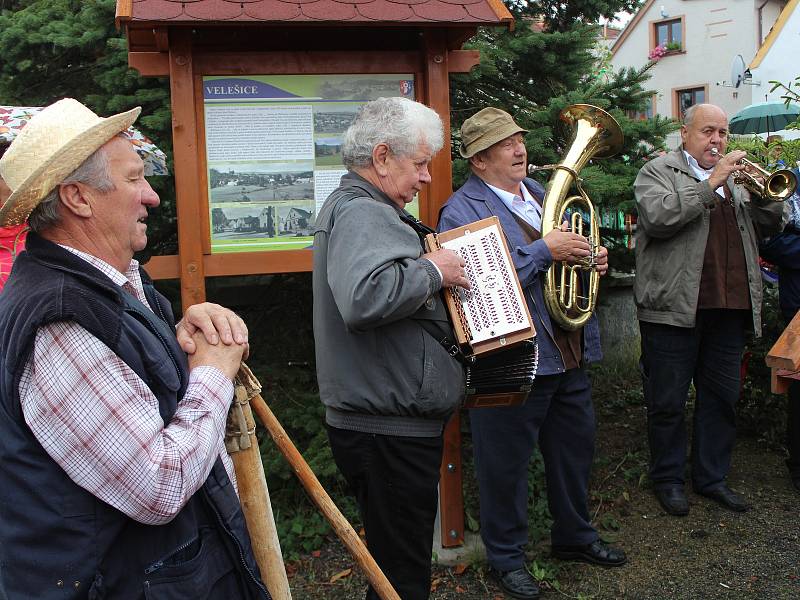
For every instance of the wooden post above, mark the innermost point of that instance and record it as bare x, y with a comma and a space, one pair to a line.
451, 498
437, 91
187, 167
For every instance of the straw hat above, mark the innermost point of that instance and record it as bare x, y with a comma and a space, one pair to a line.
52, 145
485, 128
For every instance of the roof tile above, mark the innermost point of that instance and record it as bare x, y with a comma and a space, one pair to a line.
298, 2
407, 2
435, 10
481, 12
221, 11
273, 11
384, 10
464, 2
156, 10
330, 11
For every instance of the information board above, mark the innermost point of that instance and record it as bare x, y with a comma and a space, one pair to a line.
274, 152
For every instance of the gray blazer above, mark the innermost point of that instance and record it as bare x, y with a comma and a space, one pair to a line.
378, 370
671, 234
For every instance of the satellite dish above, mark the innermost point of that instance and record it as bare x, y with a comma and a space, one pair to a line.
737, 71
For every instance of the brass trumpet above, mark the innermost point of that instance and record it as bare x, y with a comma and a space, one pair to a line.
778, 185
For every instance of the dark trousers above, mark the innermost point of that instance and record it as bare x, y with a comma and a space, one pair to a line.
710, 355
395, 481
559, 416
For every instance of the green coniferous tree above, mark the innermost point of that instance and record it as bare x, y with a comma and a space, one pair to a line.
547, 62
53, 49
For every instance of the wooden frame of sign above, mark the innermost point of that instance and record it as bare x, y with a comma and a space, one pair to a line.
186, 65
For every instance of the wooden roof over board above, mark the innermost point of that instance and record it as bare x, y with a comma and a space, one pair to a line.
367, 12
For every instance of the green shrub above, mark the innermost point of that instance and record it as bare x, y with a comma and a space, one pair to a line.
768, 154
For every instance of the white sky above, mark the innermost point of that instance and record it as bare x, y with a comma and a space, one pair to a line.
620, 20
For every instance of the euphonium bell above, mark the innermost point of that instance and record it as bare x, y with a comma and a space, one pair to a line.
777, 186
570, 298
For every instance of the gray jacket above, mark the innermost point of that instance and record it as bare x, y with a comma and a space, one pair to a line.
671, 234
378, 370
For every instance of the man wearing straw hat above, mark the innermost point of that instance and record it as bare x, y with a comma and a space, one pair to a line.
116, 483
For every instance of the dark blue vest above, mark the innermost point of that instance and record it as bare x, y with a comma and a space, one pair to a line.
56, 539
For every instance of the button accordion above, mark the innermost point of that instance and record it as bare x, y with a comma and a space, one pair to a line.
491, 321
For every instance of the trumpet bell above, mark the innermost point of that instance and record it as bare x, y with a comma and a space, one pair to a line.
781, 185
777, 186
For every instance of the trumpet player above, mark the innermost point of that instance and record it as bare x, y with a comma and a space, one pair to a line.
698, 295
558, 414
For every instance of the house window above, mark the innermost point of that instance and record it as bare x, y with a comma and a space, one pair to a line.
646, 113
689, 97
668, 34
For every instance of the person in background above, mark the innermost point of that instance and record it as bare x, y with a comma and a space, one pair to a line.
115, 479
12, 238
783, 250
558, 414
387, 384
698, 293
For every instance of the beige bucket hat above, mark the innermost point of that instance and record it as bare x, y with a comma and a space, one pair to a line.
485, 128
52, 145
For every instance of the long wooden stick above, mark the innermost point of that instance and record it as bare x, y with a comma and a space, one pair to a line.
254, 494
323, 501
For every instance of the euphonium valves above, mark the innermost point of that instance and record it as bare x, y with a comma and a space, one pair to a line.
570, 296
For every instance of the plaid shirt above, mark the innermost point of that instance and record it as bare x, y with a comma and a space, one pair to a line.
100, 423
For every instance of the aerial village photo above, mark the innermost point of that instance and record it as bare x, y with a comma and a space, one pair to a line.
254, 201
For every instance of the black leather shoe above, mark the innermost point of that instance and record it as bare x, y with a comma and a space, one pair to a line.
726, 497
517, 583
597, 553
673, 501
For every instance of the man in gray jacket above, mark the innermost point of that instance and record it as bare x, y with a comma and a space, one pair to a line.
388, 384
697, 290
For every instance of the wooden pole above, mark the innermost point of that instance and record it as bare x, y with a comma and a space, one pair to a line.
188, 188
323, 501
242, 445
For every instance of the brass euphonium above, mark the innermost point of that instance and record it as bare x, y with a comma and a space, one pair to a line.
596, 134
777, 186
